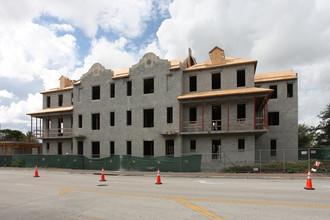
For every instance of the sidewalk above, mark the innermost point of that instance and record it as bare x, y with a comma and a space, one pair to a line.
186, 175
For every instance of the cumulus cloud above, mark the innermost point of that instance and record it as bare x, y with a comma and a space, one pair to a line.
281, 35
6, 94
112, 55
16, 111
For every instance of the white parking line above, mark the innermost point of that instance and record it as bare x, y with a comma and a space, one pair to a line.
210, 183
22, 184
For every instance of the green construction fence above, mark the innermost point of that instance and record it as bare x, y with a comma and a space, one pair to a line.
174, 164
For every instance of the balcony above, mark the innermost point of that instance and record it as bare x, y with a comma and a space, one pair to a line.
53, 133
224, 126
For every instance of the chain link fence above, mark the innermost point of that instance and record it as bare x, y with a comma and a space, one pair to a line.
282, 160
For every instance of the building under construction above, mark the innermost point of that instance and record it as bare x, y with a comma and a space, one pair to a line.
173, 108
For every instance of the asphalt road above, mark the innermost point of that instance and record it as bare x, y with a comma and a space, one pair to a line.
60, 194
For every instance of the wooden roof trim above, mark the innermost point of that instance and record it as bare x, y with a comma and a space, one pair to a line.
51, 110
57, 90
230, 92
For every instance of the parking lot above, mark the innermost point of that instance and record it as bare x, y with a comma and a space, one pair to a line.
69, 194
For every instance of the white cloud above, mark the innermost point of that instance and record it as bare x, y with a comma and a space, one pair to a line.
6, 94
112, 55
281, 35
16, 112
61, 27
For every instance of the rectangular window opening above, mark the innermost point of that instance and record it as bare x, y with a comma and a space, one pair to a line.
169, 148
59, 148
148, 85
60, 100
80, 148
129, 147
129, 117
192, 115
95, 149
112, 119
192, 145
96, 92
274, 95
129, 88
241, 144
95, 121
241, 111
169, 115
148, 118
272, 147
216, 81
112, 148
148, 148
80, 121
112, 90
216, 145
48, 101
240, 78
273, 118
193, 83
289, 90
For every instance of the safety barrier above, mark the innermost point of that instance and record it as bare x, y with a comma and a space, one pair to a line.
175, 164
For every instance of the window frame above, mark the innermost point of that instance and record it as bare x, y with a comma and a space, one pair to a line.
148, 120
193, 83
96, 121
241, 78
148, 85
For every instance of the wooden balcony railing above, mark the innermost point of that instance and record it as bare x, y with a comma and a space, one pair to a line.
242, 124
52, 133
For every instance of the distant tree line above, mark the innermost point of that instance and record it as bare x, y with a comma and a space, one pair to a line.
316, 136
15, 135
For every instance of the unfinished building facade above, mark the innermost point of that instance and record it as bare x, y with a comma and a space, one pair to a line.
218, 108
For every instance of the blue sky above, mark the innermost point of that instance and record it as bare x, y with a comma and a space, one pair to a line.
42, 40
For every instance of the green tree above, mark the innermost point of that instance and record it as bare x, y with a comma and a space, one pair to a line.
305, 136
323, 129
11, 135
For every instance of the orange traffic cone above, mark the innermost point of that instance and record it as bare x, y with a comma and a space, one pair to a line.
309, 182
36, 172
102, 175
158, 178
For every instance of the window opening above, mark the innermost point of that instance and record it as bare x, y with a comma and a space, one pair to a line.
148, 85
289, 90
273, 118
241, 112
148, 148
96, 92
274, 95
216, 81
129, 88
241, 144
148, 118
192, 83
169, 115
169, 147
48, 101
129, 147
272, 147
112, 90
240, 78
60, 100
80, 148
216, 117
112, 119
129, 117
216, 144
95, 121
192, 115
80, 121
95, 149
192, 145
112, 148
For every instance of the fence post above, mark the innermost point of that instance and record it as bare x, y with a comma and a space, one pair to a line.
284, 160
260, 160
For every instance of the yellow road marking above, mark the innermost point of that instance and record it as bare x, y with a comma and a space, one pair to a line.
67, 190
199, 209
